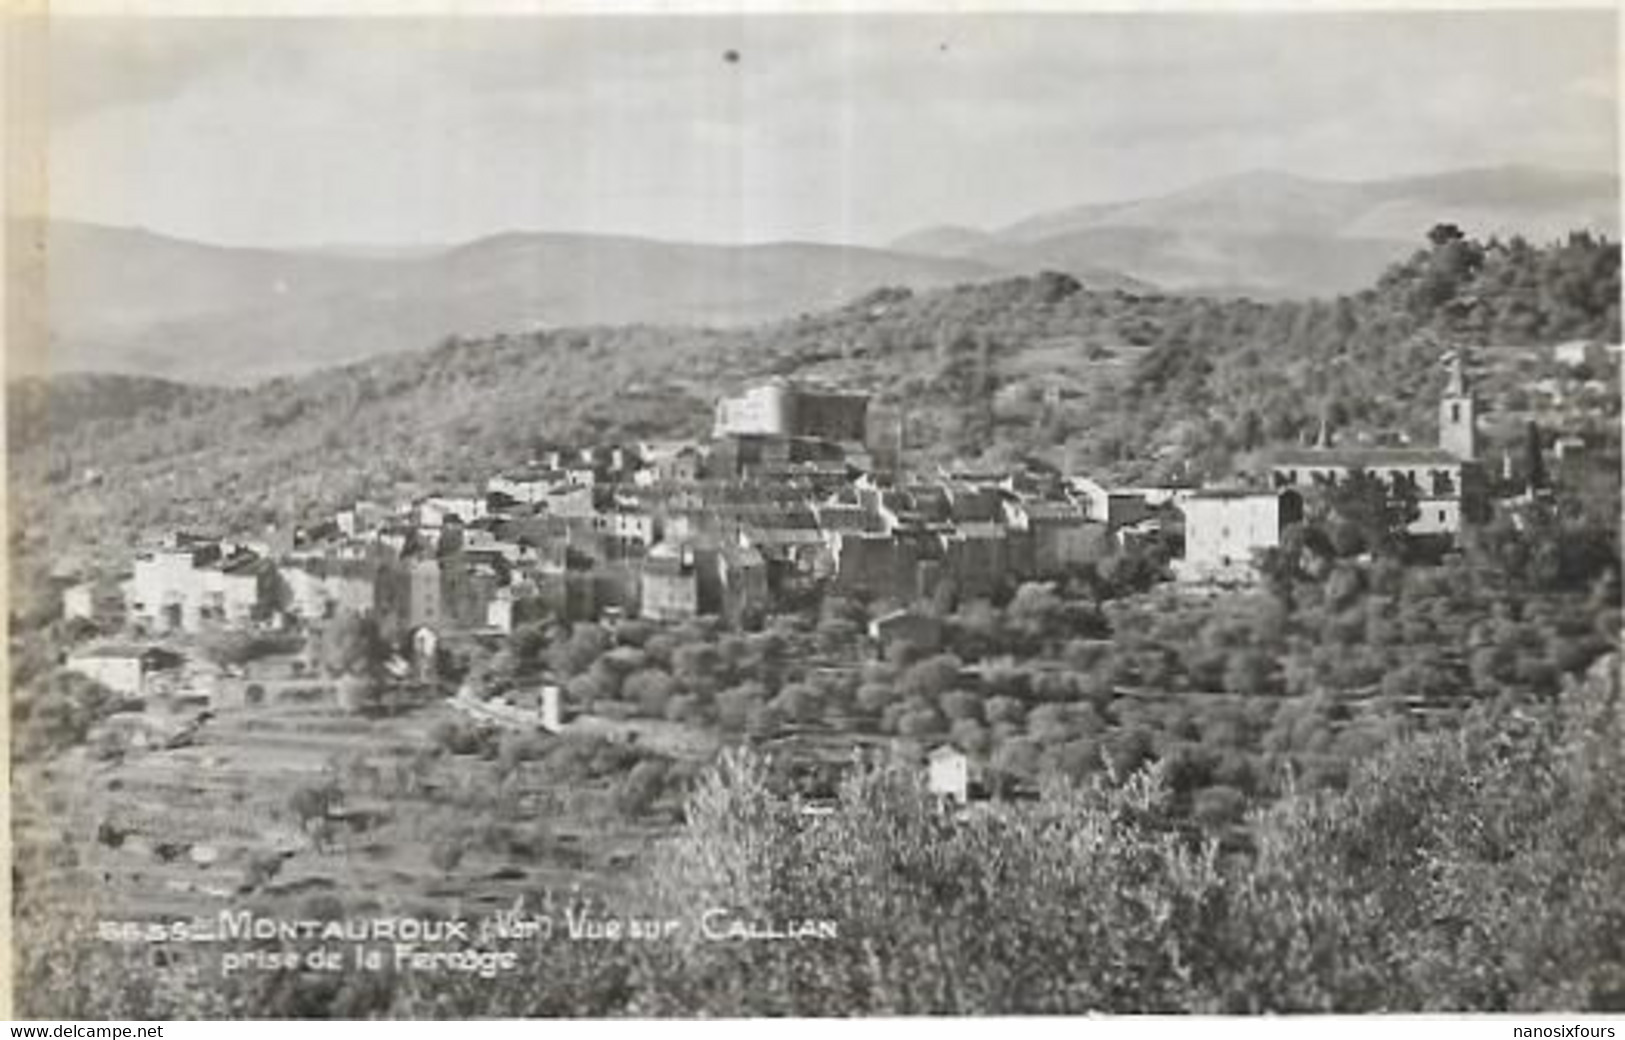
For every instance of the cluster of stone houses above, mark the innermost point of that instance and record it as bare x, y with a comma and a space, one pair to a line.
187, 583
791, 494
785, 497
794, 493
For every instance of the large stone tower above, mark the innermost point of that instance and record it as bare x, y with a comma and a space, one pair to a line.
1458, 412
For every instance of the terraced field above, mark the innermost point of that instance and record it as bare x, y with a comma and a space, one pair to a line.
188, 831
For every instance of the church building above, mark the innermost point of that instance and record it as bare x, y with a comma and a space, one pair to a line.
1446, 480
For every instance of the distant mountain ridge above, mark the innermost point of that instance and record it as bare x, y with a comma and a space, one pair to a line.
127, 300
945, 240
133, 301
1275, 234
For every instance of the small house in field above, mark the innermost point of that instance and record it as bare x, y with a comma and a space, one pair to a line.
1572, 353
123, 669
97, 602
669, 584
920, 631
949, 774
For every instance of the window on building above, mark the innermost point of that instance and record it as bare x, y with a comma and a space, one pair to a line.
1441, 516
1455, 411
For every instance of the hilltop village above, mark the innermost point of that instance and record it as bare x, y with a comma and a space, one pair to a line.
796, 494
799, 494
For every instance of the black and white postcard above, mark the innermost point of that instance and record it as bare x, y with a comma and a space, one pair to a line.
764, 512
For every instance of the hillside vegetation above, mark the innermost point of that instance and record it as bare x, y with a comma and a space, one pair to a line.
1475, 870
1126, 386
39, 410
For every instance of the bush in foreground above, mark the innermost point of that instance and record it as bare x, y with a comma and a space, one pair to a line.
1474, 870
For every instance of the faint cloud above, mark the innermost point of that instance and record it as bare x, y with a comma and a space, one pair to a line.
104, 62
827, 127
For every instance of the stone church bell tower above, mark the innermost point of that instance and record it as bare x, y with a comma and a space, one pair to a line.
1458, 412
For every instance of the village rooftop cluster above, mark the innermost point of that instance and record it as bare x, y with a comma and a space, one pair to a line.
798, 493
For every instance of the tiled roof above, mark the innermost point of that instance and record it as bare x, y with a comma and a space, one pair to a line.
979, 530
976, 506
537, 476
666, 567
783, 535
1209, 493
1363, 458
123, 651
845, 518
741, 555
781, 519
245, 564
1052, 511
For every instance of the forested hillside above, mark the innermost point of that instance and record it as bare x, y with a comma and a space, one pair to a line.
39, 410
1130, 387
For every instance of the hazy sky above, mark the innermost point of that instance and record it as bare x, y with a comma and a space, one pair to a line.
857, 129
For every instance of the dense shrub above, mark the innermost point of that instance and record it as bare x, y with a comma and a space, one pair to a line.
1471, 870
